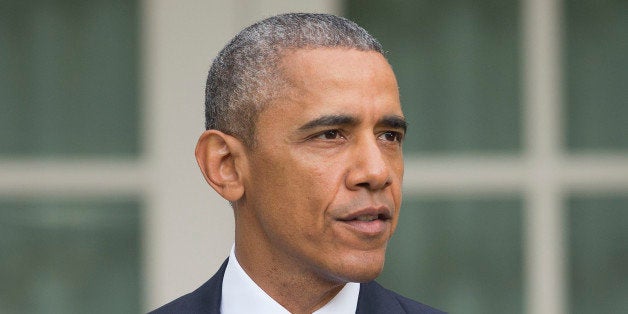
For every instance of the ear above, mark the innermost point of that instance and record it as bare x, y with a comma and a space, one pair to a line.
222, 158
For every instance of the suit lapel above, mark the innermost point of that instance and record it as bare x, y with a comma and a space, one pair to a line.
209, 295
373, 298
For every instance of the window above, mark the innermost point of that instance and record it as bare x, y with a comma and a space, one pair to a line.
76, 256
516, 161
70, 230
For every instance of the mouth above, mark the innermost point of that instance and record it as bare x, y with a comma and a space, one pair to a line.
370, 217
369, 221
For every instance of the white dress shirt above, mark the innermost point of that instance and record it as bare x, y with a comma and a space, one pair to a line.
240, 294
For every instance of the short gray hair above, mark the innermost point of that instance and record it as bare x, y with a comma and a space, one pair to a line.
245, 75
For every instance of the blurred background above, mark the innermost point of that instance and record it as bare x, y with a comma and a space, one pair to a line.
516, 186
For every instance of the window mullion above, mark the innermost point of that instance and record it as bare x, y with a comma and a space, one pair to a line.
544, 248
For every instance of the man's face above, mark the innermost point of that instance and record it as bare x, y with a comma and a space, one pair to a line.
323, 187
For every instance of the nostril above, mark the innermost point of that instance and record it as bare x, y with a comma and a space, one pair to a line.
374, 184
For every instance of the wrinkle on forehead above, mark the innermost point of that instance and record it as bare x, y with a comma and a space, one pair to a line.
297, 62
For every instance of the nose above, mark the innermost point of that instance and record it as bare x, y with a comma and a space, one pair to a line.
370, 168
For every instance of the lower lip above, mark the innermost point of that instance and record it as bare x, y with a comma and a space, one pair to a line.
372, 228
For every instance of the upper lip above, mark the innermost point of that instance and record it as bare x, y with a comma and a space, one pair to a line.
382, 212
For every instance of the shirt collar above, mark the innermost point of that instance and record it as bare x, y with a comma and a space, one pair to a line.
240, 294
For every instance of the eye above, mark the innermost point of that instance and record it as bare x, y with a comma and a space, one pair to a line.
329, 135
392, 136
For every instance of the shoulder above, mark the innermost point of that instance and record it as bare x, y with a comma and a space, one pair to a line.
376, 299
205, 299
188, 303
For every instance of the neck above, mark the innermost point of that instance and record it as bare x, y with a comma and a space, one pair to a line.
289, 284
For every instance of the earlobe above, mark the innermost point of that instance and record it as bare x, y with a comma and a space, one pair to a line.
220, 157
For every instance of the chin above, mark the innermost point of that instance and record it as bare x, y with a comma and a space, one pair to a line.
361, 269
363, 275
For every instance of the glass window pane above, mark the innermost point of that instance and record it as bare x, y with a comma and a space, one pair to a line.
69, 78
598, 247
457, 63
69, 256
596, 63
462, 255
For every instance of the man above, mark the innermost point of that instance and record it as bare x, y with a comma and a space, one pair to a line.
304, 131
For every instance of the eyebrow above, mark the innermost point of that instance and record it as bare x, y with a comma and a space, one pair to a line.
329, 120
392, 121
395, 122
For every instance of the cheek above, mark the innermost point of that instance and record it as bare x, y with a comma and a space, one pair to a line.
316, 188
319, 175
292, 188
313, 195
398, 168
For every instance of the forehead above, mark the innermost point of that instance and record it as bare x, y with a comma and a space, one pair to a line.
336, 80
339, 65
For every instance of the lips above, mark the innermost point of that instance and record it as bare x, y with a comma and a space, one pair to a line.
368, 214
367, 217
370, 221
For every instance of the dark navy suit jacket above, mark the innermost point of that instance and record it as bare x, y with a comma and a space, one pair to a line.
373, 298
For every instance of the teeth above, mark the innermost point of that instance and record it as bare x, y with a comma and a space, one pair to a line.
366, 217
